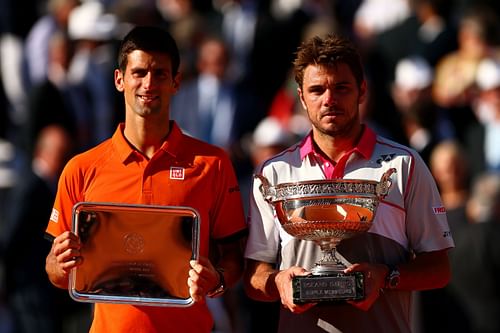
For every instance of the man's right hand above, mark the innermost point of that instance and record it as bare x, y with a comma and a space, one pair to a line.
283, 281
63, 256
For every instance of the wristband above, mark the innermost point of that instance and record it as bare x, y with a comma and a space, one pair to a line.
221, 287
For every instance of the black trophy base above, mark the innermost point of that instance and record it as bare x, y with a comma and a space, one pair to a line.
332, 287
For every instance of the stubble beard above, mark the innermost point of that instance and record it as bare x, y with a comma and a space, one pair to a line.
337, 131
146, 110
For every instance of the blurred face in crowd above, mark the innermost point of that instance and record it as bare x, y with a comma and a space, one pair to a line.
147, 83
213, 59
52, 151
331, 97
448, 166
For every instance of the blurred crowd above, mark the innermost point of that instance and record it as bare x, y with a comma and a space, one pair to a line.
433, 70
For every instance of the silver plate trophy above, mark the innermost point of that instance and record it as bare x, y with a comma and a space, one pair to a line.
134, 254
326, 212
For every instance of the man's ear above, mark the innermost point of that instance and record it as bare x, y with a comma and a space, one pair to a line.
301, 97
363, 93
119, 80
177, 81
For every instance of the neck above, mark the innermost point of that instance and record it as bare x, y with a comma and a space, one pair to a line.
146, 137
335, 146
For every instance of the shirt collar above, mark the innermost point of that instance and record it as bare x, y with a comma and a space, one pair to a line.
125, 150
365, 146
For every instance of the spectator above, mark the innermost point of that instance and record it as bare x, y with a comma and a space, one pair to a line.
205, 106
476, 259
428, 33
51, 100
93, 32
455, 74
35, 304
440, 309
424, 124
482, 137
375, 16
37, 42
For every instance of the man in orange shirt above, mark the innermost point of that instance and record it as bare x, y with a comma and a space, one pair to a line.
150, 161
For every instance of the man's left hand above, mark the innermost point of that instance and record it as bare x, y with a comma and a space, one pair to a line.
374, 279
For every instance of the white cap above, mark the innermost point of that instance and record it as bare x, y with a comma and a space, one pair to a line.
88, 21
270, 132
488, 74
413, 73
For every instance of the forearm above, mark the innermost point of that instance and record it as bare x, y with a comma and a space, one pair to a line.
426, 271
259, 281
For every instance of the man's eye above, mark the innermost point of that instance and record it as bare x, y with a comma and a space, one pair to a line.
139, 73
342, 89
162, 75
316, 91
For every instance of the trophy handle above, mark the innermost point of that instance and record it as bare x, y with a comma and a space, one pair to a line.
385, 183
265, 188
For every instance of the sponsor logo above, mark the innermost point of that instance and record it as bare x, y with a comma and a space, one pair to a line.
385, 158
439, 210
54, 216
176, 173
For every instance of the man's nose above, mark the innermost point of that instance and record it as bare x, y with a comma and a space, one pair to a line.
330, 98
148, 80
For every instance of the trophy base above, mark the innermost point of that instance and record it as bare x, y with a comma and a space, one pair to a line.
331, 287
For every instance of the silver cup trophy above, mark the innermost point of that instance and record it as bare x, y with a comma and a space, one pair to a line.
326, 212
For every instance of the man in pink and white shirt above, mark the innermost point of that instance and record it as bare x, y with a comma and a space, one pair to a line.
405, 249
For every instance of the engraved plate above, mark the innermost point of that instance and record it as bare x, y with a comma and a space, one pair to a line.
330, 287
134, 254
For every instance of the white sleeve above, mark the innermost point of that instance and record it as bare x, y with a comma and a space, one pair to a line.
263, 240
426, 222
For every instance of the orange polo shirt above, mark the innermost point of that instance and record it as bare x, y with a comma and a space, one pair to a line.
184, 172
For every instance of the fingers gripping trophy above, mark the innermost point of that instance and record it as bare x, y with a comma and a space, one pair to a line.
326, 212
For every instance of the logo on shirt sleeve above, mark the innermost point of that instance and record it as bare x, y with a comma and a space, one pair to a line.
385, 158
176, 173
439, 210
54, 216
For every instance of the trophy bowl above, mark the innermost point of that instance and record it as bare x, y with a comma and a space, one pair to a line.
326, 212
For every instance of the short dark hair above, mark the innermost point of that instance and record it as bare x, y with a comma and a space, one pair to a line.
152, 39
328, 51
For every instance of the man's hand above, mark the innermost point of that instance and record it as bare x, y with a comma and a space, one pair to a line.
264, 283
283, 280
374, 278
203, 278
63, 256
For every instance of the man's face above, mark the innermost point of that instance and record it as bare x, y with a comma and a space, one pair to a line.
147, 83
331, 98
